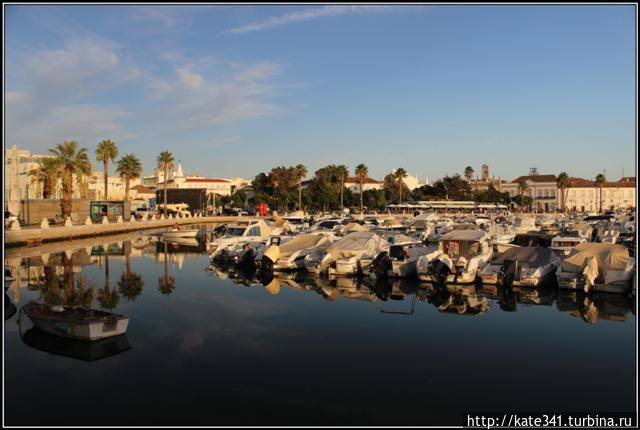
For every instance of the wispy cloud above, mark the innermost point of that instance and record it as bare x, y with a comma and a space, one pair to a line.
305, 15
195, 100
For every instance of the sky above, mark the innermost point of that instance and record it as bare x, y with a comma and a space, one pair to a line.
236, 90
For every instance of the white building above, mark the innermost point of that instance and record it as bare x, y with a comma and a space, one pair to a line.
218, 186
542, 189
584, 196
412, 181
353, 184
116, 186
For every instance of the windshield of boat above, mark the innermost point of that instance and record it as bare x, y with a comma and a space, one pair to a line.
235, 231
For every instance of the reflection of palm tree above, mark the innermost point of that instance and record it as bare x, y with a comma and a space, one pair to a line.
166, 284
131, 283
108, 299
56, 291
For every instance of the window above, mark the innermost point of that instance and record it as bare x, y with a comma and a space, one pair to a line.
254, 231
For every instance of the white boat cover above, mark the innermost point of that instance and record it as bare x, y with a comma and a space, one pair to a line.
281, 223
352, 227
465, 226
359, 243
301, 242
468, 235
391, 222
582, 228
532, 256
607, 255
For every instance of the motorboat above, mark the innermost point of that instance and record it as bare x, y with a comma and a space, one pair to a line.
565, 242
75, 322
533, 238
459, 258
239, 233
291, 254
399, 261
501, 234
186, 241
597, 266
343, 256
352, 228
281, 226
522, 266
524, 224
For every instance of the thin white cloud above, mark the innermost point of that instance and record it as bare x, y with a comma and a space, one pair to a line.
304, 15
195, 100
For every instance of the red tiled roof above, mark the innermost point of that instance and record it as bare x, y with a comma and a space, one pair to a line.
581, 183
354, 180
536, 178
226, 181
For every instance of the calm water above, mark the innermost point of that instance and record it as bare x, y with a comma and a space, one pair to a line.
207, 348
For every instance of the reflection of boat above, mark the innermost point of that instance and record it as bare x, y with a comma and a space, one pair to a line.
81, 350
177, 232
9, 307
187, 241
525, 265
76, 322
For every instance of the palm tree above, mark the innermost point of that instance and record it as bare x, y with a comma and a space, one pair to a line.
600, 179
129, 167
71, 161
166, 284
165, 162
106, 150
38, 177
522, 188
131, 283
107, 298
468, 173
301, 172
400, 175
563, 181
343, 172
361, 173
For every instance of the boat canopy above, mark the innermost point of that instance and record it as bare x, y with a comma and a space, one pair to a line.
465, 235
358, 243
351, 228
301, 242
608, 256
529, 255
281, 223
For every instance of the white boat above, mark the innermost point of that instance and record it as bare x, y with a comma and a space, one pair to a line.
291, 254
525, 224
343, 256
597, 266
238, 234
565, 242
399, 261
459, 258
75, 322
178, 232
522, 266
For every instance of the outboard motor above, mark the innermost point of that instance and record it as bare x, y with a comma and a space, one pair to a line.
381, 264
397, 253
220, 230
507, 273
439, 271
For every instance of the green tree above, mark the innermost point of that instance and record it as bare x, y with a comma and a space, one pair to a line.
165, 162
600, 180
522, 189
563, 181
400, 175
129, 167
343, 173
300, 172
107, 150
468, 173
362, 172
45, 176
71, 161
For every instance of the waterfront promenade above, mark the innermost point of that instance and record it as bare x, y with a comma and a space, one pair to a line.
45, 234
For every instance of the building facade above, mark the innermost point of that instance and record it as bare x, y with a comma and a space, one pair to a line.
584, 196
353, 184
542, 189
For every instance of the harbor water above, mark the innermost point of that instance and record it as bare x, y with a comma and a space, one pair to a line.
219, 347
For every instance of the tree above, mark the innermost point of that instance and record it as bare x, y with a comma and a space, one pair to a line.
563, 181
600, 180
468, 173
400, 175
343, 173
129, 167
107, 150
45, 176
71, 161
522, 188
300, 172
131, 283
165, 162
362, 172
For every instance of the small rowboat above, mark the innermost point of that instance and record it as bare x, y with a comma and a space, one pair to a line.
75, 322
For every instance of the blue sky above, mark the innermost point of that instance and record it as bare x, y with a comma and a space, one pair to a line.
236, 90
